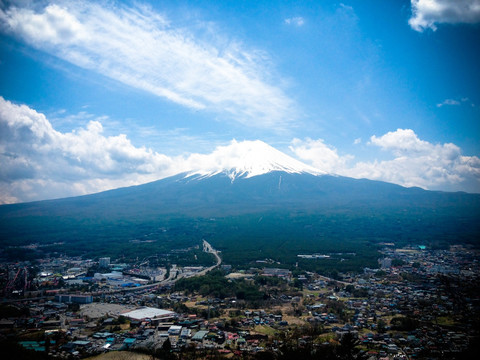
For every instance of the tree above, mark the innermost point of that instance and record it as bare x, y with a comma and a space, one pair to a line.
347, 350
350, 288
298, 284
381, 326
397, 262
167, 345
121, 320
404, 323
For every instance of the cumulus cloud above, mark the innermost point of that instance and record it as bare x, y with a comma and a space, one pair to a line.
297, 21
38, 162
415, 162
320, 155
428, 13
143, 49
420, 163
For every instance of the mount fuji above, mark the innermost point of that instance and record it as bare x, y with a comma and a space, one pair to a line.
247, 159
248, 193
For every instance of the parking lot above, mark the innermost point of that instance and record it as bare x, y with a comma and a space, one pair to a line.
97, 310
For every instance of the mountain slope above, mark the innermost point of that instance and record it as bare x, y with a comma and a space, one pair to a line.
247, 207
217, 195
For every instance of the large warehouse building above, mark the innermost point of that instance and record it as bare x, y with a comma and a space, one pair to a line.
152, 314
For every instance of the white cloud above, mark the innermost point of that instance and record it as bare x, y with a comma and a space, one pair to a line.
415, 162
320, 155
448, 102
38, 162
297, 21
140, 48
420, 163
346, 7
453, 102
428, 13
402, 142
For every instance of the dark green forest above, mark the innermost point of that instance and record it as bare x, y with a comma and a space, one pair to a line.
247, 220
214, 284
351, 238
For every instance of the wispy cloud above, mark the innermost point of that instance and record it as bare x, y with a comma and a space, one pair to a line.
296, 21
448, 102
428, 13
454, 102
143, 49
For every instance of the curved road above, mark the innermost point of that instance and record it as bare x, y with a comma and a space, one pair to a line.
208, 248
171, 278
169, 281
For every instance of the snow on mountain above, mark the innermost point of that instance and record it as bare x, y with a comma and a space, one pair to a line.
247, 159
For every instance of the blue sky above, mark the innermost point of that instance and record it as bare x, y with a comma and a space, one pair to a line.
97, 95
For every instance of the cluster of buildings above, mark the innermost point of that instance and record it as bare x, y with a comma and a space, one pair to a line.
428, 304
419, 303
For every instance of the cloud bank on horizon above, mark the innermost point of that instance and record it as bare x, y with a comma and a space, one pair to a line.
39, 162
168, 86
415, 162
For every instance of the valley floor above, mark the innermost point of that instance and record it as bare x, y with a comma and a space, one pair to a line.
420, 304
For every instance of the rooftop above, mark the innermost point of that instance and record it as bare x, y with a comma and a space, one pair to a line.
148, 313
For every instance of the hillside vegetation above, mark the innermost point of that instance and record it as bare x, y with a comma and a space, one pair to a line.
276, 216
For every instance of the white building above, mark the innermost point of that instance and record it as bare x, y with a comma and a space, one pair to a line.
153, 314
175, 330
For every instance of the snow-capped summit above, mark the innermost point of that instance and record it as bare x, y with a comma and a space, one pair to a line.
248, 159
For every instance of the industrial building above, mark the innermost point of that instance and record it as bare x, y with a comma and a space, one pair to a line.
153, 314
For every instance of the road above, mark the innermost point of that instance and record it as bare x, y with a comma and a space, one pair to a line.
169, 281
208, 248
173, 273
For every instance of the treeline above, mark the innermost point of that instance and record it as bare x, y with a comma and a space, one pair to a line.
242, 239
